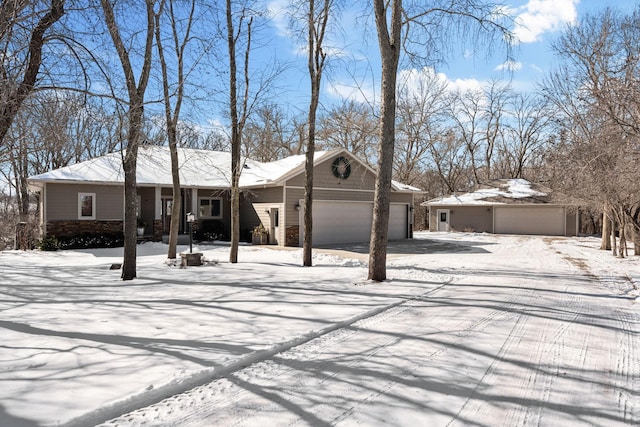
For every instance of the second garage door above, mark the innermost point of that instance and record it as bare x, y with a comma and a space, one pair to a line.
350, 222
548, 221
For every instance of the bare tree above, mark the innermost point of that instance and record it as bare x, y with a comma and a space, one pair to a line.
135, 111
496, 96
419, 124
238, 113
317, 20
425, 26
351, 126
449, 158
176, 93
465, 110
595, 92
389, 30
19, 80
526, 135
270, 134
52, 130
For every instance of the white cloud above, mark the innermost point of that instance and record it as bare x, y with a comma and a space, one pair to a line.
278, 13
509, 66
540, 16
465, 84
363, 93
414, 79
536, 68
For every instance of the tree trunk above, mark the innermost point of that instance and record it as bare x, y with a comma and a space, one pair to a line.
136, 91
316, 59
235, 139
623, 251
23, 191
614, 241
171, 117
131, 197
605, 244
307, 243
389, 42
176, 203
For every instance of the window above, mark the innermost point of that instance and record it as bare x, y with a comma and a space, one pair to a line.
210, 208
86, 205
443, 217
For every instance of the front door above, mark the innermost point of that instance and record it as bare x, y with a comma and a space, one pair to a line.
167, 205
274, 219
443, 219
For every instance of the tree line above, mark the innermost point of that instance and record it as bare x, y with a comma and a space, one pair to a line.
62, 102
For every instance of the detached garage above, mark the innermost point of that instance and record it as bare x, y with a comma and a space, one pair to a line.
534, 219
508, 206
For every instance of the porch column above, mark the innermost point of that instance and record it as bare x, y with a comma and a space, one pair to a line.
194, 202
158, 203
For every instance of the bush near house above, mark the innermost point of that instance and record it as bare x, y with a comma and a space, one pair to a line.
83, 241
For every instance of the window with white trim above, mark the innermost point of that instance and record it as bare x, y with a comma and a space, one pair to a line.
86, 205
210, 207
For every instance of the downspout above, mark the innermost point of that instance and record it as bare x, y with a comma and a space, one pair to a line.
283, 221
43, 209
493, 219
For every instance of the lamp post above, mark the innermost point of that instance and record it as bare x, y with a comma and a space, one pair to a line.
191, 218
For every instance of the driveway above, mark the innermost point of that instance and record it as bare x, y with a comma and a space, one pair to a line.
421, 244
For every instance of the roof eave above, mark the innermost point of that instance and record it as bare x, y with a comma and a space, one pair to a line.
281, 180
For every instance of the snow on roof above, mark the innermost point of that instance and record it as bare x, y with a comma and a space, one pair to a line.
404, 187
514, 189
198, 168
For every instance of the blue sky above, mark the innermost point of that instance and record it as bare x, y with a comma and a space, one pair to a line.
354, 66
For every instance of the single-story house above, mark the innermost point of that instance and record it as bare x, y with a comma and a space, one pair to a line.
88, 197
505, 206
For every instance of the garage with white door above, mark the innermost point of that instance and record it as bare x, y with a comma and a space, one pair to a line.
543, 220
350, 222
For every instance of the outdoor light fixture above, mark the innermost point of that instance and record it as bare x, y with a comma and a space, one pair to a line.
191, 218
298, 207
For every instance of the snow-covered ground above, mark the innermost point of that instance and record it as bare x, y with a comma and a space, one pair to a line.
469, 329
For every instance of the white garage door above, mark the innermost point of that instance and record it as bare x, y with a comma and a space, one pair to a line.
350, 222
398, 222
547, 221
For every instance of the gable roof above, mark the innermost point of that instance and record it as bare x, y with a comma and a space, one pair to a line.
324, 155
499, 192
198, 168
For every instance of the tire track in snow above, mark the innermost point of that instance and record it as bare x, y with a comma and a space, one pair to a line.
219, 395
549, 368
123, 412
537, 383
514, 334
625, 378
627, 374
501, 313
236, 391
628, 370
